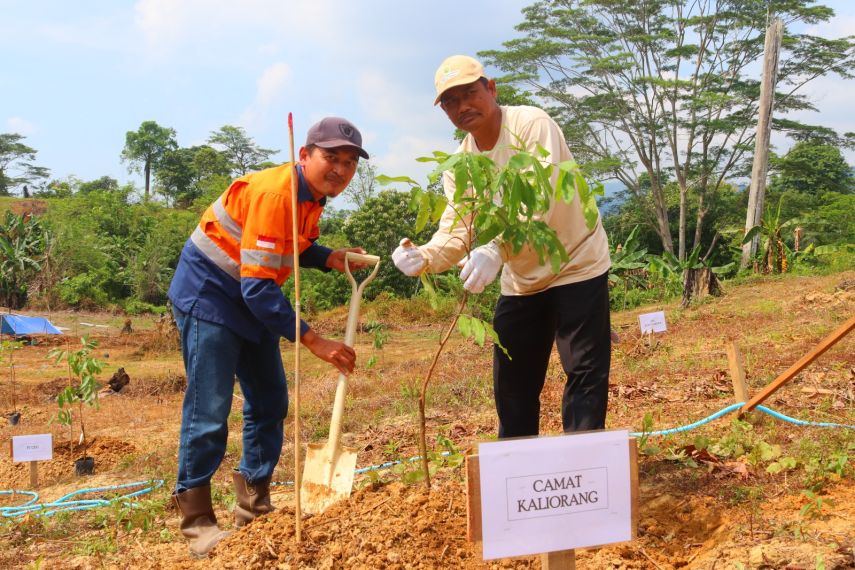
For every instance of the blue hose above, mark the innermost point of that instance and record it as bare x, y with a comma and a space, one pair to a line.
65, 503
726, 410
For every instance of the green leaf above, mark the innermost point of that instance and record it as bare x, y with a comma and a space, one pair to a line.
565, 189
479, 179
430, 290
588, 200
542, 151
491, 332
384, 180
464, 325
478, 331
488, 233
461, 181
751, 233
439, 204
425, 211
520, 161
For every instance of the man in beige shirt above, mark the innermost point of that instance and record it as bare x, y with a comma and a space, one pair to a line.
537, 306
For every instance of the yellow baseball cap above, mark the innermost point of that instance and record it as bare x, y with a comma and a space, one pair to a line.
456, 70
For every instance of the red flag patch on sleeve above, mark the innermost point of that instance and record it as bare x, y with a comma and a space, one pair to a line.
265, 242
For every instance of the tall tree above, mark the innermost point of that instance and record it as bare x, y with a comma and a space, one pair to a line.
182, 172
666, 86
16, 163
812, 167
145, 147
240, 150
363, 185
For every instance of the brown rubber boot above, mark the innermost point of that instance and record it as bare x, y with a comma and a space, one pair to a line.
198, 521
252, 500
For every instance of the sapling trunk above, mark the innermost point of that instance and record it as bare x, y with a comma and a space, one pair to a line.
423, 394
12, 380
82, 427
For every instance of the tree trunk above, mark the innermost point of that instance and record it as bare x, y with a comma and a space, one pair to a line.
698, 283
147, 179
757, 190
682, 231
660, 206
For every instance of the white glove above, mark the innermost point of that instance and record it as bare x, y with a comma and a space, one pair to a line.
408, 259
481, 268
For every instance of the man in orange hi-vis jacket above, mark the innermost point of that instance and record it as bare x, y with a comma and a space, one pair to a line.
231, 312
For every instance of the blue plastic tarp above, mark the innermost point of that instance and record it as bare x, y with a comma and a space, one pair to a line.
17, 324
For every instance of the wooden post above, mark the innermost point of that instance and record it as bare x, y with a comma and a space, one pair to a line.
561, 560
34, 475
757, 190
788, 374
737, 373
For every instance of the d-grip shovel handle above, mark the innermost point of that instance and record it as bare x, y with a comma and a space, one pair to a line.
350, 336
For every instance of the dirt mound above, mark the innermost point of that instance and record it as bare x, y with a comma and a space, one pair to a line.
107, 451
383, 526
169, 383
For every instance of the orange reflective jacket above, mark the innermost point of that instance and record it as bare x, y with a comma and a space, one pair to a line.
246, 232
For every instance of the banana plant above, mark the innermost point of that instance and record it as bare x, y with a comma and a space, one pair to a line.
627, 259
23, 242
775, 256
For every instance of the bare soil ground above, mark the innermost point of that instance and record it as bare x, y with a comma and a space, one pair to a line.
708, 498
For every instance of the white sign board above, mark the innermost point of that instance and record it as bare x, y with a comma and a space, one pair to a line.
652, 322
555, 493
32, 447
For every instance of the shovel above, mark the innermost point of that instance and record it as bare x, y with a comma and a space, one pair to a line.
328, 475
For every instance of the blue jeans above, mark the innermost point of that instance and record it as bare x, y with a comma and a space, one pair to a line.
213, 356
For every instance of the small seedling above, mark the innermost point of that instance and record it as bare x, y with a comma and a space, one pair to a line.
82, 368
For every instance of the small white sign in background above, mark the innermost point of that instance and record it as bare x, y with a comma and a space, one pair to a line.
652, 322
32, 447
555, 493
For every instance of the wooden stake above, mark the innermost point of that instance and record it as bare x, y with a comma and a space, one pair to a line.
757, 189
737, 373
34, 475
298, 472
788, 374
561, 560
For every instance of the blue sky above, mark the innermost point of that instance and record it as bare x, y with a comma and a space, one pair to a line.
75, 76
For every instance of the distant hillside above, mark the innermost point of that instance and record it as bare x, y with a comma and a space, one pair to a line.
611, 200
23, 205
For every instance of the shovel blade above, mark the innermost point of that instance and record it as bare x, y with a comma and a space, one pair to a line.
327, 476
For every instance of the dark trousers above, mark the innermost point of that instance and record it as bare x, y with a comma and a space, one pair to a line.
576, 318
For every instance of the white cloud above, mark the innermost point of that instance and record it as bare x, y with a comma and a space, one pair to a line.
395, 103
400, 159
20, 126
412, 126
270, 87
837, 27
168, 26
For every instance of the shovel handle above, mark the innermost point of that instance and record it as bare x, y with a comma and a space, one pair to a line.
349, 339
362, 258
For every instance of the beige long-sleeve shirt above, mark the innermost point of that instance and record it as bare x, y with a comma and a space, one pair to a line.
522, 273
